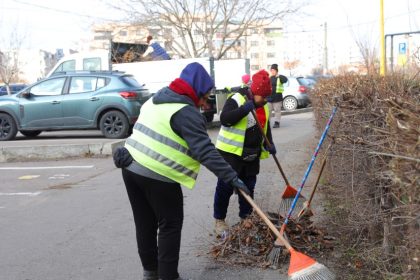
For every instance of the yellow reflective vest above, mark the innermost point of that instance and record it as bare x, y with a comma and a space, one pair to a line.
231, 138
156, 146
279, 86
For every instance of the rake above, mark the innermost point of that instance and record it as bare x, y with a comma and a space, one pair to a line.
302, 184
306, 210
301, 267
289, 192
279, 242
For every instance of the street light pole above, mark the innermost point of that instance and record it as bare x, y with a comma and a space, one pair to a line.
325, 50
382, 35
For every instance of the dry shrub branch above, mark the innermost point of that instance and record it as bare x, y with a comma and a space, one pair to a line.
373, 172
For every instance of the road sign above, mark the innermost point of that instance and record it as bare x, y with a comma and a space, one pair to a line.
402, 48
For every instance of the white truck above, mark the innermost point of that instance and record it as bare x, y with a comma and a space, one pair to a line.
158, 74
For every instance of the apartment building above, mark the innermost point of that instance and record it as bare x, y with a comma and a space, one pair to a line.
262, 45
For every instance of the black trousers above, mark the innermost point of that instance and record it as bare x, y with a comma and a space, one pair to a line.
156, 206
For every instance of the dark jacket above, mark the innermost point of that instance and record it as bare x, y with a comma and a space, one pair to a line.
276, 97
190, 125
231, 114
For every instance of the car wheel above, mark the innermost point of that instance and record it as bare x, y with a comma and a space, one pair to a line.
8, 127
31, 133
290, 103
114, 125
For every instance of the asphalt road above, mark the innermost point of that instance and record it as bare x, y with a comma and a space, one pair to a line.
71, 219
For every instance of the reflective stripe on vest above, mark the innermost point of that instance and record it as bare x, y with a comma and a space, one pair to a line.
156, 146
231, 139
279, 86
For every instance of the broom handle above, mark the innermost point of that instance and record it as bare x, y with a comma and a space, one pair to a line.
292, 207
266, 220
267, 142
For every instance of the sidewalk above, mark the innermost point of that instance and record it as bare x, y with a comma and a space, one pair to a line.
66, 144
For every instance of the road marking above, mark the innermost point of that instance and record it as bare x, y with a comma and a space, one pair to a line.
28, 177
59, 176
21, 193
48, 167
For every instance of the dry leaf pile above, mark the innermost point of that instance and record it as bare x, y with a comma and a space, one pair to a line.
251, 241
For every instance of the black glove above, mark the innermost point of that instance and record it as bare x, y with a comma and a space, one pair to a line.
249, 106
238, 184
122, 157
272, 149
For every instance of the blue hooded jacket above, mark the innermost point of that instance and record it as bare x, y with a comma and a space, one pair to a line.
198, 78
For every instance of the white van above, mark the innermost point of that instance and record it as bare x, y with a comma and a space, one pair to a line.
88, 61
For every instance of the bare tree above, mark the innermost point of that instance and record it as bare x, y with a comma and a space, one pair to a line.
368, 50
290, 65
195, 25
9, 58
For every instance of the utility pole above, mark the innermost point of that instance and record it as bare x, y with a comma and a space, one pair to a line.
382, 35
325, 50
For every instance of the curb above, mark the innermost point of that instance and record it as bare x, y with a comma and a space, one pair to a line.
52, 152
49, 152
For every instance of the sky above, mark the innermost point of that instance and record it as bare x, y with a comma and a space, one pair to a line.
50, 24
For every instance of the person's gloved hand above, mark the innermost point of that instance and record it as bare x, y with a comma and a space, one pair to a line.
122, 157
272, 149
238, 184
249, 106
226, 90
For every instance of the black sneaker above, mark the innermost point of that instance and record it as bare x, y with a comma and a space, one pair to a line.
276, 125
150, 275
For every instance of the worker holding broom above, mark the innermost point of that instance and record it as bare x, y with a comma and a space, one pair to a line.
168, 143
240, 142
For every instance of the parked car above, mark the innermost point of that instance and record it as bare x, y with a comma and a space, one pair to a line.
105, 100
295, 93
13, 88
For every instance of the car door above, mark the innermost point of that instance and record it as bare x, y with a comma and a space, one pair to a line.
42, 108
81, 102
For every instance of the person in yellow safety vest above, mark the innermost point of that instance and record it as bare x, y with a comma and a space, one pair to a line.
246, 81
275, 100
241, 144
168, 143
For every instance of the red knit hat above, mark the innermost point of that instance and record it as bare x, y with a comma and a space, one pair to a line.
246, 79
261, 84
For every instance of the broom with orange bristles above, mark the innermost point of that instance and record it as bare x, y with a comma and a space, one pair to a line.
301, 267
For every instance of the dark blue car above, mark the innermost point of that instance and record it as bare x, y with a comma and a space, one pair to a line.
13, 88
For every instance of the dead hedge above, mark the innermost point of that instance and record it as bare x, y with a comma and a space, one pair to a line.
373, 172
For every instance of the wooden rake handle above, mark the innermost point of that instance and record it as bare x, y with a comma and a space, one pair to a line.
266, 220
267, 142
324, 161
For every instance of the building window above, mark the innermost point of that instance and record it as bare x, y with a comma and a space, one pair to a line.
167, 32
122, 33
255, 67
271, 43
154, 32
254, 31
254, 43
139, 32
271, 55
255, 55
